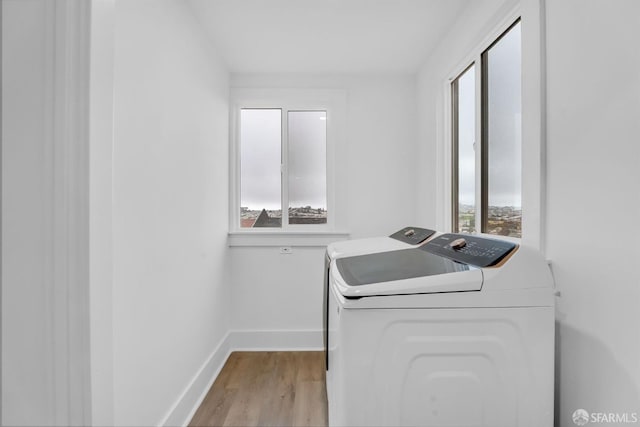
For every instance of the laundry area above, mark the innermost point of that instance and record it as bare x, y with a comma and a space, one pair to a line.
454, 331
343, 213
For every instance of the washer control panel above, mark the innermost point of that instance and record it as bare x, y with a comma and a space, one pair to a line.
412, 235
473, 250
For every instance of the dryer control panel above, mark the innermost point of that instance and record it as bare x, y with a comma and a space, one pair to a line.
412, 235
473, 250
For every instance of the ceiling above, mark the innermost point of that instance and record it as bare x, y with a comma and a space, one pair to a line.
326, 36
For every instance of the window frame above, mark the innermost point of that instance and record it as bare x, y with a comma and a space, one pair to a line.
533, 120
454, 177
480, 63
484, 128
287, 100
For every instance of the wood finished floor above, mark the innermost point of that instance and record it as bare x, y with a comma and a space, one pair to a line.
267, 389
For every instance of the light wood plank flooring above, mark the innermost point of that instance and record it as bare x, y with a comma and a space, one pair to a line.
267, 389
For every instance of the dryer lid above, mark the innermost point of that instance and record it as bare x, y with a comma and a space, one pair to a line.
364, 246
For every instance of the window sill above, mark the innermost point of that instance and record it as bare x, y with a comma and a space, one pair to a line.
285, 238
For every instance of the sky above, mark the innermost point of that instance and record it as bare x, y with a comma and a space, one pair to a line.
261, 152
505, 132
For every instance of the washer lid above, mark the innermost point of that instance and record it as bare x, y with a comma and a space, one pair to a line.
408, 271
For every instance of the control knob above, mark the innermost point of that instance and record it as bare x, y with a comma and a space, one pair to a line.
458, 244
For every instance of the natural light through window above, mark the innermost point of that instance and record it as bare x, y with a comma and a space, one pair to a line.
307, 166
504, 135
486, 140
260, 176
283, 162
465, 135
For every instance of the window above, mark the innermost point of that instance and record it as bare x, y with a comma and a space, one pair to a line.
266, 152
307, 167
502, 136
486, 177
464, 166
260, 171
281, 161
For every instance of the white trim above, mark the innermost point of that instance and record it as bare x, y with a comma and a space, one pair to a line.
186, 405
333, 101
48, 171
533, 124
444, 171
444, 161
276, 238
284, 169
63, 219
478, 141
68, 57
194, 393
100, 210
505, 17
531, 13
1, 235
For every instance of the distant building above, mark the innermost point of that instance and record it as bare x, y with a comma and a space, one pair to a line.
247, 222
264, 220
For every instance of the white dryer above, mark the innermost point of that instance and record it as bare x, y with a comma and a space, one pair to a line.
456, 332
402, 239
408, 237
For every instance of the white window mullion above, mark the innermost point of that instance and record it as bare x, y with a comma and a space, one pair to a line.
478, 144
329, 165
284, 168
234, 211
444, 165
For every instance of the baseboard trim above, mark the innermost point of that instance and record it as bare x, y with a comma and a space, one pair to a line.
193, 395
243, 340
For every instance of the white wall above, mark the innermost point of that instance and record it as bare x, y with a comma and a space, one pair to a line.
101, 210
170, 177
45, 333
27, 397
473, 24
375, 184
593, 201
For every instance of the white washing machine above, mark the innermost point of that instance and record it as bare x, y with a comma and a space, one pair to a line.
456, 332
